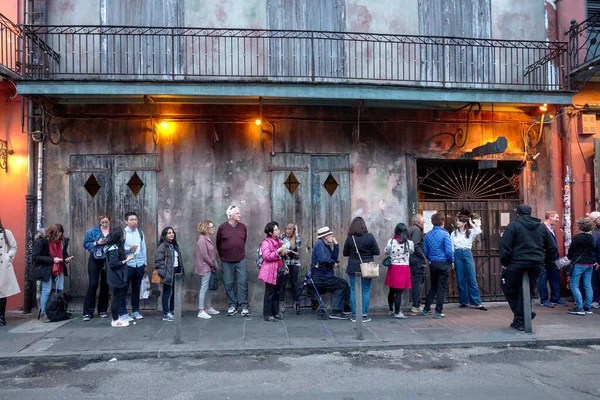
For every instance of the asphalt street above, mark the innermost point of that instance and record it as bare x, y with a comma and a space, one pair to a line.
471, 373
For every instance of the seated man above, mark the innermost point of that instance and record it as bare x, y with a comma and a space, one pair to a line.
324, 260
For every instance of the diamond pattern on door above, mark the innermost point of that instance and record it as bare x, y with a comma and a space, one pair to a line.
330, 185
92, 186
291, 183
135, 184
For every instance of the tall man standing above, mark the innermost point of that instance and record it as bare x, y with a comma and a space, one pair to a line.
551, 272
437, 247
417, 260
526, 246
231, 245
136, 244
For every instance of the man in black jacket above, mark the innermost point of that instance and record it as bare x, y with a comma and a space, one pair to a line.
525, 246
417, 261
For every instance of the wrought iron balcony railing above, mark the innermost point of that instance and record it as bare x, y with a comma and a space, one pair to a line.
242, 55
584, 49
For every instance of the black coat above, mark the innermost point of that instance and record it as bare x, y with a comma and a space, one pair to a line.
582, 249
164, 262
116, 270
42, 267
367, 245
526, 241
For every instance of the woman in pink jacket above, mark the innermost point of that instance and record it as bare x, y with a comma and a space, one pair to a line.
272, 272
205, 266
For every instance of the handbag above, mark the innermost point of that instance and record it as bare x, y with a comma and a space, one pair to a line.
368, 270
387, 261
282, 270
213, 283
568, 265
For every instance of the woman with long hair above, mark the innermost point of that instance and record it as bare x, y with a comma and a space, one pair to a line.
272, 271
116, 272
94, 242
51, 258
360, 246
293, 242
398, 277
205, 266
168, 262
464, 265
9, 285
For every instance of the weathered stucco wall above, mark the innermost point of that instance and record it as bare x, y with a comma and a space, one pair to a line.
198, 180
524, 20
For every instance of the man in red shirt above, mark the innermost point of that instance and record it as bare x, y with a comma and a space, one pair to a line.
231, 246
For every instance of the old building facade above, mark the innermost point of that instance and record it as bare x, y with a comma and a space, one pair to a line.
364, 108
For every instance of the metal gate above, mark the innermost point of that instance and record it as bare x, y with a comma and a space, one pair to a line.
492, 194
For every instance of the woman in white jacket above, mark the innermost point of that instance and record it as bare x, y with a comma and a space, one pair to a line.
9, 285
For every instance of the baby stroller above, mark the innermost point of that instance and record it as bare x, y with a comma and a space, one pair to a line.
312, 293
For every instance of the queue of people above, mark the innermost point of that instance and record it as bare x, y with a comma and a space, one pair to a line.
117, 262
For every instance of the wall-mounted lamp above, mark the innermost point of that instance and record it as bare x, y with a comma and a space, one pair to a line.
4, 153
544, 107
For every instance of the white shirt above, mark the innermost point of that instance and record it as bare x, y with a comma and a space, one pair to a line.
461, 241
176, 262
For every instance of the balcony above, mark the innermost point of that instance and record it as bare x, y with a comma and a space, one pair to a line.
233, 56
584, 50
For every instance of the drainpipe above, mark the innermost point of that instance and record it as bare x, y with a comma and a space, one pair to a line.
30, 223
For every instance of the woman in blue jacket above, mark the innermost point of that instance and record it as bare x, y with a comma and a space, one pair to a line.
94, 242
116, 272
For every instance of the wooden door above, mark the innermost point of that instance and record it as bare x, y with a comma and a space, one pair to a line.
113, 185
290, 196
91, 195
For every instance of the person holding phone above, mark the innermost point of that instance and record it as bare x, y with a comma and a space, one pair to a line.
293, 243
273, 251
94, 242
51, 257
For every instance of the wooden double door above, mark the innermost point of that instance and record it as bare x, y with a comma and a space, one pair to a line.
110, 185
311, 191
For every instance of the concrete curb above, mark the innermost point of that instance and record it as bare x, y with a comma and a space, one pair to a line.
179, 351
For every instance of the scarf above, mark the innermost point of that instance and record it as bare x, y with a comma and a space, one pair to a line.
56, 251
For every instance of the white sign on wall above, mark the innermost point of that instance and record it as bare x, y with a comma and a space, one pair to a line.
427, 217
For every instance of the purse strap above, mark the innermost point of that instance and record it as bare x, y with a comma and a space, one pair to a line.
357, 252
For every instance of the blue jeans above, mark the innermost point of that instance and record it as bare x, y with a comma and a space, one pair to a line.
366, 294
468, 290
236, 272
550, 275
58, 282
580, 271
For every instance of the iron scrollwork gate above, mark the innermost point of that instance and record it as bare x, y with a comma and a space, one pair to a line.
492, 194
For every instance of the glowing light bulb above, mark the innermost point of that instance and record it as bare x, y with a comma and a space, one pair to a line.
258, 122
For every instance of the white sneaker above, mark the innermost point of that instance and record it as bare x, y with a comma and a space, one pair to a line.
212, 311
400, 315
125, 317
390, 313
231, 311
245, 312
202, 314
119, 323
137, 315
595, 305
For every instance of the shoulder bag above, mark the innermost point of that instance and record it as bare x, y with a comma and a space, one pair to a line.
368, 270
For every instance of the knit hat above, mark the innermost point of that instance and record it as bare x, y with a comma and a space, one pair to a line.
524, 209
324, 231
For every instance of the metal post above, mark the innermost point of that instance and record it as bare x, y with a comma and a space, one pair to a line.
177, 288
30, 232
526, 303
358, 305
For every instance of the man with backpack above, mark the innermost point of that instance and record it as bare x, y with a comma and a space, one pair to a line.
136, 268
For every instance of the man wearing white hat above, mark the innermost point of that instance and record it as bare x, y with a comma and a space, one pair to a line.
324, 259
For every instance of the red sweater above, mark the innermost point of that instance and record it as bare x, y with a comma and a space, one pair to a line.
231, 242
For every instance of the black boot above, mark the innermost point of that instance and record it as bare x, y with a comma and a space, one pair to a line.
2, 321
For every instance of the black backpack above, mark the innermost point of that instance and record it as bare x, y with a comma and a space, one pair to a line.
56, 307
